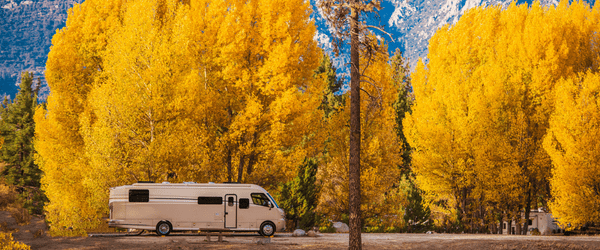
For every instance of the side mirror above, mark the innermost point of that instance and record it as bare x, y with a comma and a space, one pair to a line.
270, 205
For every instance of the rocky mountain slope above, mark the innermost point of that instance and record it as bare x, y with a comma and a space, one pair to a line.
26, 30
27, 27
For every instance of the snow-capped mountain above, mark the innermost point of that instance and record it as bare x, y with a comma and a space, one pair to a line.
412, 23
27, 27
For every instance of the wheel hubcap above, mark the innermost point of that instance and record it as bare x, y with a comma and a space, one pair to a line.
164, 228
268, 229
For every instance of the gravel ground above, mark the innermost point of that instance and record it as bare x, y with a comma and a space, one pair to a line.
324, 241
27, 234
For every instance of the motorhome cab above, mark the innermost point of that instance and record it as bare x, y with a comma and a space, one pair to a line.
167, 207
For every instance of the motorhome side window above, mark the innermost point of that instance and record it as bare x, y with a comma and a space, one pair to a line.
211, 200
260, 199
244, 203
139, 195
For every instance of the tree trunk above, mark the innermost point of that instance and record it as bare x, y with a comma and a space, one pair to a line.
501, 225
229, 171
527, 210
241, 169
251, 161
355, 241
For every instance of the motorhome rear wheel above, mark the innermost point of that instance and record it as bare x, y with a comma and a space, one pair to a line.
163, 228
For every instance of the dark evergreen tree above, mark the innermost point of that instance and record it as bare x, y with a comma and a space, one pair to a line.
332, 100
17, 130
415, 213
401, 78
299, 197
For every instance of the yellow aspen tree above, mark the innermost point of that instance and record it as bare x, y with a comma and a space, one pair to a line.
74, 61
167, 90
483, 103
573, 143
137, 130
255, 65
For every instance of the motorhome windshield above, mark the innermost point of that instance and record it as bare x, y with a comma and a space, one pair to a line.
274, 202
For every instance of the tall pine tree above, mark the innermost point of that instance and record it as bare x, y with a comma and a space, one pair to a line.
414, 213
17, 130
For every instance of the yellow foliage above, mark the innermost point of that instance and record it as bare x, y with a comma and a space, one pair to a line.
483, 103
8, 243
573, 142
168, 91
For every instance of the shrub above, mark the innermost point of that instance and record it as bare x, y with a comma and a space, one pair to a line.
7, 242
7, 196
21, 215
5, 228
38, 233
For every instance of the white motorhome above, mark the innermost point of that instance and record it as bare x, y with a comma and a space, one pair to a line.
166, 207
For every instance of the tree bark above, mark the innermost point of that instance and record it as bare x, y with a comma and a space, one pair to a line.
527, 210
251, 161
241, 169
355, 241
229, 173
501, 225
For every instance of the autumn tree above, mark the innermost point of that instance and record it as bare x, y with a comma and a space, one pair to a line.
168, 90
482, 106
572, 142
74, 62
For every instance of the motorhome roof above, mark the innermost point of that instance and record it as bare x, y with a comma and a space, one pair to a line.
190, 184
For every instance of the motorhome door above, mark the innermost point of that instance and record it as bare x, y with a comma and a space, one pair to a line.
230, 211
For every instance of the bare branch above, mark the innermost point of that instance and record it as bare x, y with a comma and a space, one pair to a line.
370, 56
380, 29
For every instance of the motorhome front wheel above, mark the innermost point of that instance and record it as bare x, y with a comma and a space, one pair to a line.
163, 228
267, 228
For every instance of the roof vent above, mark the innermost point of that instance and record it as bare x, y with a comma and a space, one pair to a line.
166, 182
211, 182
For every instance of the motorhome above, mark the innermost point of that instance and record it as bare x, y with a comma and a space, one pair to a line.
167, 207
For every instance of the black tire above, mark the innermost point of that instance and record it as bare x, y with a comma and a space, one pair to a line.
267, 229
163, 228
